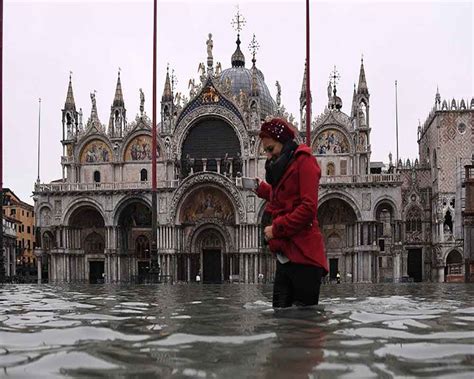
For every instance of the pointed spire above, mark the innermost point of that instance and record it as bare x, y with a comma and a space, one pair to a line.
354, 102
118, 98
70, 103
303, 86
253, 47
167, 93
438, 96
362, 87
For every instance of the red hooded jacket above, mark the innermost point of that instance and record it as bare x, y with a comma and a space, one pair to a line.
294, 208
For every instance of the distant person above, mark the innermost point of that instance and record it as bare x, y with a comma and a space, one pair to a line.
290, 222
338, 278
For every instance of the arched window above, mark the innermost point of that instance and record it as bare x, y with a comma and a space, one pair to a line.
143, 175
413, 220
448, 222
97, 176
330, 169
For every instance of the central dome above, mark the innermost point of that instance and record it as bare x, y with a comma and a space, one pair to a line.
241, 79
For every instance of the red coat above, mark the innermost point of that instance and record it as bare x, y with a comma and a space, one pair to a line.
294, 208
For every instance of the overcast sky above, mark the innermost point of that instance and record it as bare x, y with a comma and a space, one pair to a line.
422, 45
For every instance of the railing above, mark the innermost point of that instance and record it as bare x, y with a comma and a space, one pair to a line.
116, 186
76, 187
9, 232
361, 179
455, 269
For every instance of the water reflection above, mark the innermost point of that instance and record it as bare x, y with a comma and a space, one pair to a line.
231, 331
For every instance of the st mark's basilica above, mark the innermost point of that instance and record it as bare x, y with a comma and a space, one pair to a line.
381, 222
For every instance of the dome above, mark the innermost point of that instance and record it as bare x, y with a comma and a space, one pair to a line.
241, 79
335, 102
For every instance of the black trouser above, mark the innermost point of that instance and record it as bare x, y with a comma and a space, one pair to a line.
296, 284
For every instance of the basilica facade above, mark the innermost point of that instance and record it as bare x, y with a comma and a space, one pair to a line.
94, 224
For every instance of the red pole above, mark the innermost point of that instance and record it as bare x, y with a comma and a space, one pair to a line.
154, 222
308, 93
2, 266
153, 154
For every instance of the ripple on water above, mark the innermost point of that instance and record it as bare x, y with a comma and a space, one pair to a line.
185, 339
232, 331
55, 337
421, 351
57, 364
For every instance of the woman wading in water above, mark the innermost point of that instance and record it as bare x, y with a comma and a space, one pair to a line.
290, 219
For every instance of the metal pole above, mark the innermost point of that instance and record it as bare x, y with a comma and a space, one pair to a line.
39, 139
308, 94
154, 224
2, 265
396, 118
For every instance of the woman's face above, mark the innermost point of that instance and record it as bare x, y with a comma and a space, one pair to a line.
271, 147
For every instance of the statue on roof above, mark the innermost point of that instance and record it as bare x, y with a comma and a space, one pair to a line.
142, 102
210, 45
278, 97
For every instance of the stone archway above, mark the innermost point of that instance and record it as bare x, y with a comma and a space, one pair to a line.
454, 269
334, 216
337, 221
211, 245
86, 221
134, 235
87, 235
134, 220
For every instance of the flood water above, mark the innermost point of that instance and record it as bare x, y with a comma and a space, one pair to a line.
231, 331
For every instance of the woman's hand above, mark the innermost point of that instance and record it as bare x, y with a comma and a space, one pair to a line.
268, 232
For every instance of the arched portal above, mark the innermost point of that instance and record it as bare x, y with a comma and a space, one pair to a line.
87, 234
134, 236
134, 220
337, 222
211, 245
454, 269
86, 229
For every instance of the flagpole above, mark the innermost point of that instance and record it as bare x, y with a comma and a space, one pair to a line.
2, 265
154, 223
39, 140
308, 94
396, 118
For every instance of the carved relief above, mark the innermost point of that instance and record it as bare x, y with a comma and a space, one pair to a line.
162, 204
366, 201
250, 203
45, 217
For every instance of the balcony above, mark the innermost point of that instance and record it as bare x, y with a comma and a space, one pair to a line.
96, 187
361, 180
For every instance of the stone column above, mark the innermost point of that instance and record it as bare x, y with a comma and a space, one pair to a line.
440, 274
405, 262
